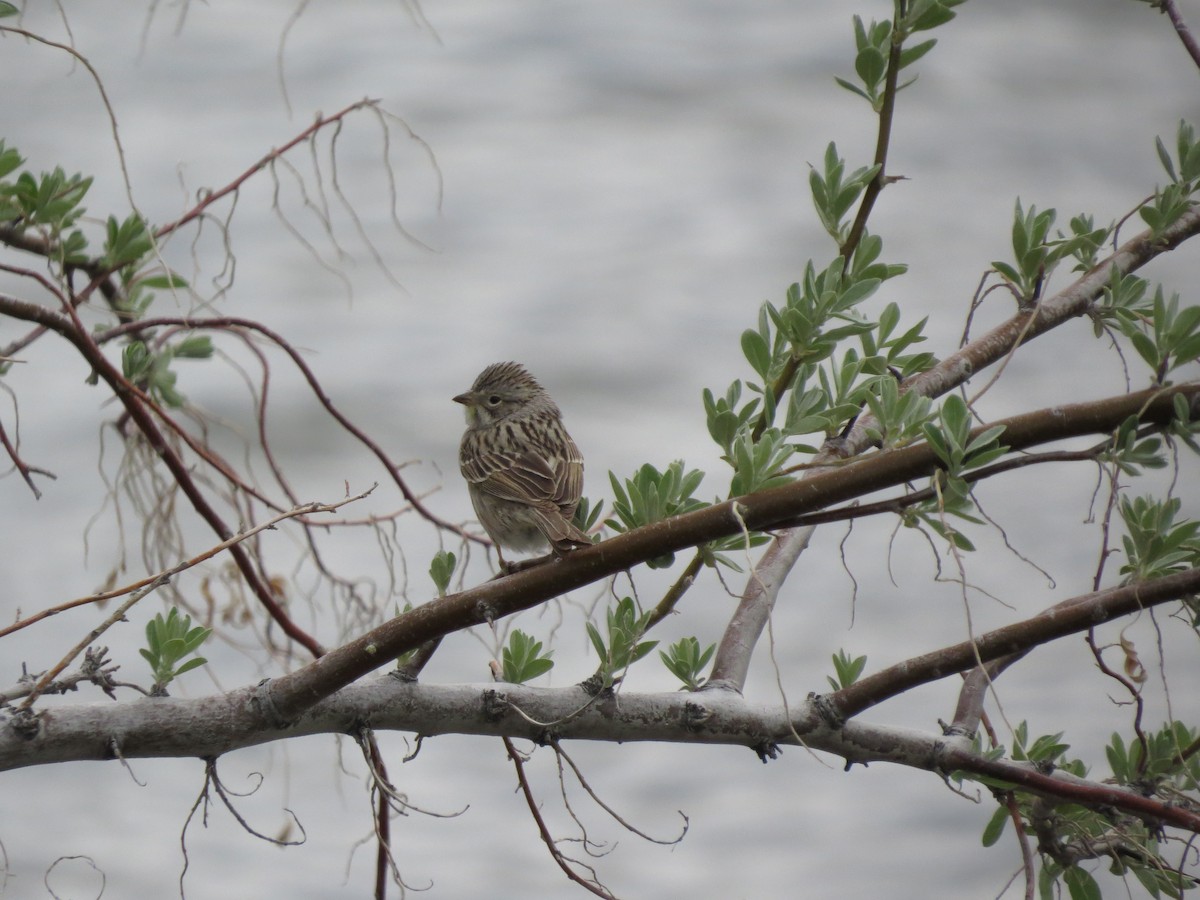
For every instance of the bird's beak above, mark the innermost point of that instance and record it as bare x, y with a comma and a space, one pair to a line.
464, 399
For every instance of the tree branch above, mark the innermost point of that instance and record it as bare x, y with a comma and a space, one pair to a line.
287, 696
1071, 616
208, 727
755, 607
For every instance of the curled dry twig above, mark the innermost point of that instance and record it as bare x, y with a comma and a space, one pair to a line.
564, 862
562, 756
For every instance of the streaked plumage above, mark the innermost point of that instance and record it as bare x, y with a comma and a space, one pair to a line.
523, 471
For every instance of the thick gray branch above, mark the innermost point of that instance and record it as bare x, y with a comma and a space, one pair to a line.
210, 726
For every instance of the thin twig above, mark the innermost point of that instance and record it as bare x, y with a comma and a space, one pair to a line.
563, 756
899, 504
562, 861
112, 116
27, 471
226, 322
224, 793
146, 586
213, 196
166, 575
92, 635
685, 580
1181, 28
883, 138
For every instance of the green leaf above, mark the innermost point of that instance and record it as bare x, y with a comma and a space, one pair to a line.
441, 570
925, 16
910, 55
852, 88
194, 663
194, 638
1007, 272
995, 826
198, 346
641, 650
127, 242
597, 641
1081, 885
10, 159
937, 441
1146, 348
169, 281
871, 65
757, 353
1164, 157
985, 437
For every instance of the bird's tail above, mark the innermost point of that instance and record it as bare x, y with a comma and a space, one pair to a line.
560, 531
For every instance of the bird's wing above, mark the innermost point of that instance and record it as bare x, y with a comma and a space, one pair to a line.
520, 477
568, 478
551, 489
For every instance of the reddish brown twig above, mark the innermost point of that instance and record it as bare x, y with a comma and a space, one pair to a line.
27, 471
213, 196
562, 861
1181, 28
142, 410
233, 322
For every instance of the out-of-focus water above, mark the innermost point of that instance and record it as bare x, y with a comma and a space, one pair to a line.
621, 185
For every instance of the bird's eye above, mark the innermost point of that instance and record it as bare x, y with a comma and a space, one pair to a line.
494, 400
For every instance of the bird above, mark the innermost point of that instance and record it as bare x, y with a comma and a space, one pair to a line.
523, 471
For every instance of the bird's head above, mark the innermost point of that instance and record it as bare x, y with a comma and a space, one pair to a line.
503, 390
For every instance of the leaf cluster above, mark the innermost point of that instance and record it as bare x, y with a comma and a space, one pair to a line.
949, 436
686, 661
50, 205
621, 645
951, 440
793, 351
1036, 254
1156, 542
873, 45
169, 641
1159, 764
1160, 761
1171, 338
587, 514
1132, 452
846, 670
1169, 203
151, 370
651, 496
523, 659
1165, 334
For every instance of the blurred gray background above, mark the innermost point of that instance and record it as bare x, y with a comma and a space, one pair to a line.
621, 185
